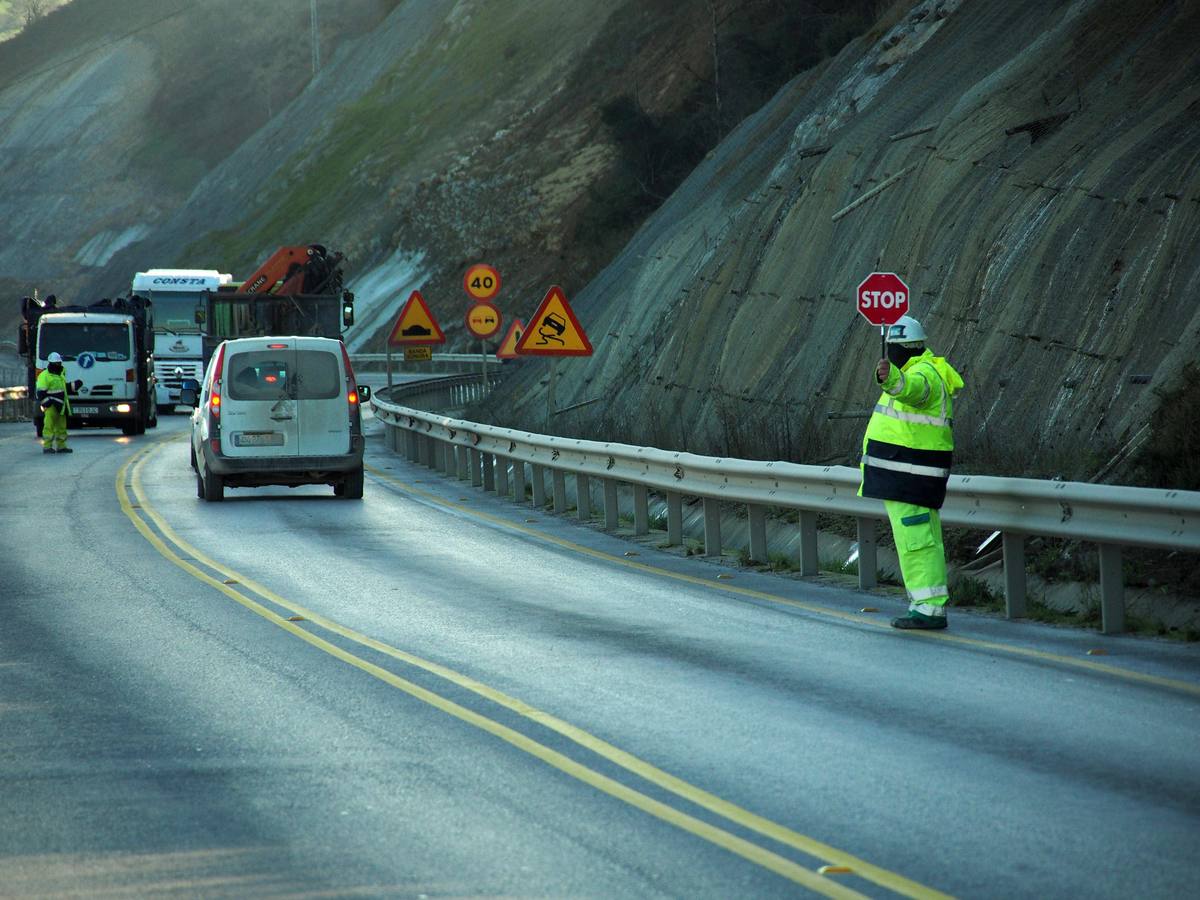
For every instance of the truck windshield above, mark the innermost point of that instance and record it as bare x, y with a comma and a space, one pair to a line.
175, 310
109, 341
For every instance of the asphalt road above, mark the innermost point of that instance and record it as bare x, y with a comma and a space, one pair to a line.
433, 692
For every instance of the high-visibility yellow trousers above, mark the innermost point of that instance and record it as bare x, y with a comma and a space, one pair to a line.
918, 534
54, 429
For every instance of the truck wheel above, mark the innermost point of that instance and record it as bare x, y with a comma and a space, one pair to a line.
214, 487
153, 423
192, 460
38, 423
129, 428
350, 488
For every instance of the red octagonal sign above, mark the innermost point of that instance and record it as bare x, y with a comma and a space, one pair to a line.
882, 298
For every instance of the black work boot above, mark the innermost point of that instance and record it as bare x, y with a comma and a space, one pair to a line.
915, 621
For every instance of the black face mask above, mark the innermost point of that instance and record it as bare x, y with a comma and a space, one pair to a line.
55, 368
899, 354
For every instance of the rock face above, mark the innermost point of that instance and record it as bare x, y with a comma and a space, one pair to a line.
1036, 170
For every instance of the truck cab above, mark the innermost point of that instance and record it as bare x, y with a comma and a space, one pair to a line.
179, 352
105, 361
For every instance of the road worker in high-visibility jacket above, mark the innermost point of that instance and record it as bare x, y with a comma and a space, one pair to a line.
906, 459
56, 405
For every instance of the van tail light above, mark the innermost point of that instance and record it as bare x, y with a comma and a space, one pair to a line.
351, 383
131, 375
214, 397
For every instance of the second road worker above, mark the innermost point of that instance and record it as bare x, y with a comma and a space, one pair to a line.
906, 463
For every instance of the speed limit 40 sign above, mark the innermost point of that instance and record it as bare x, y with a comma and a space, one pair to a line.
481, 282
882, 298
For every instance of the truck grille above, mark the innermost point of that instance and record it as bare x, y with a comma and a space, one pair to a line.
165, 371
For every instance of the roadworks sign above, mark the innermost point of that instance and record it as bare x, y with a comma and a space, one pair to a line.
553, 330
508, 346
415, 325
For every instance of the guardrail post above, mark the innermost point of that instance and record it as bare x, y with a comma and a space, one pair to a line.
539, 485
411, 442
502, 476
612, 513
674, 518
519, 480
1014, 574
476, 463
460, 463
559, 479
446, 462
1112, 590
867, 557
583, 497
641, 509
712, 527
810, 563
489, 471
758, 532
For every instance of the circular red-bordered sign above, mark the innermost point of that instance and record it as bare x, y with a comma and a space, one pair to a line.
483, 320
481, 282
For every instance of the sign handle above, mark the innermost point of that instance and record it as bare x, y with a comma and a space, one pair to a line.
883, 341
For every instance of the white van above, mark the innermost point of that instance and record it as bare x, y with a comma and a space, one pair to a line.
277, 410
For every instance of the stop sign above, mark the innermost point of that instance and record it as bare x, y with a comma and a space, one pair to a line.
882, 298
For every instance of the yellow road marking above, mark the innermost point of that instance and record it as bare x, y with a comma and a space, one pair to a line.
747, 850
784, 835
1101, 668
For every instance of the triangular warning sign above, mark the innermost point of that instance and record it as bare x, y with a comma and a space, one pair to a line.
415, 325
508, 346
553, 330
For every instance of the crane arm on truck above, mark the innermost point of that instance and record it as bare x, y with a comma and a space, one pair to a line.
297, 270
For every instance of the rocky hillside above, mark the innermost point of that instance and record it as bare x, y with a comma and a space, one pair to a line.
708, 180
1031, 168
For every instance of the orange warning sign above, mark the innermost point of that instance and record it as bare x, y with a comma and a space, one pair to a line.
508, 346
415, 325
553, 330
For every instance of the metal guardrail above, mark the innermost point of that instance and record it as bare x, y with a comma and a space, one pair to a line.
15, 404
1110, 516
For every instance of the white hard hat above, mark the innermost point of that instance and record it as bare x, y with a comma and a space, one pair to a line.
54, 357
906, 330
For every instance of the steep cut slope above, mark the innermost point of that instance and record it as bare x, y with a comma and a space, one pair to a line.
1038, 186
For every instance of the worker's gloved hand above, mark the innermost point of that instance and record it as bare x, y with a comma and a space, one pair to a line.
882, 368
76, 385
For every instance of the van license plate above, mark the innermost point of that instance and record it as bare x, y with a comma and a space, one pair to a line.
86, 410
258, 439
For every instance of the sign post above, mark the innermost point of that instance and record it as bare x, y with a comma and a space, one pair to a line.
882, 298
482, 283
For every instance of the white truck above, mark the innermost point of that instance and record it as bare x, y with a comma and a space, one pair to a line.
178, 338
108, 359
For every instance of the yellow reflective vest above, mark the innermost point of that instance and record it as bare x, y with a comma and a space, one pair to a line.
908, 447
51, 386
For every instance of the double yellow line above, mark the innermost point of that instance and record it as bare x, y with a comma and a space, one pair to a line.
174, 548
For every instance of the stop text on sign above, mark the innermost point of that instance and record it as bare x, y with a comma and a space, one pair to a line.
882, 298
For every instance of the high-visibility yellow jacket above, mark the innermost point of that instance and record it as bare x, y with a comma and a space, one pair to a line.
53, 388
908, 447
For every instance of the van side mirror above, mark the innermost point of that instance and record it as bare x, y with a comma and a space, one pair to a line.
364, 393
347, 309
199, 315
189, 392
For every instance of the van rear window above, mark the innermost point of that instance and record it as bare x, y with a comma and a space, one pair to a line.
274, 374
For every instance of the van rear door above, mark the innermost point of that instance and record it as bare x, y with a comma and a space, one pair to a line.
260, 413
320, 391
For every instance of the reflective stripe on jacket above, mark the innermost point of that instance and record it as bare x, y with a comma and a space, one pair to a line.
907, 450
53, 386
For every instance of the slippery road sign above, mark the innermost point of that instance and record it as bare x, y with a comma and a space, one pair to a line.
415, 325
553, 330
